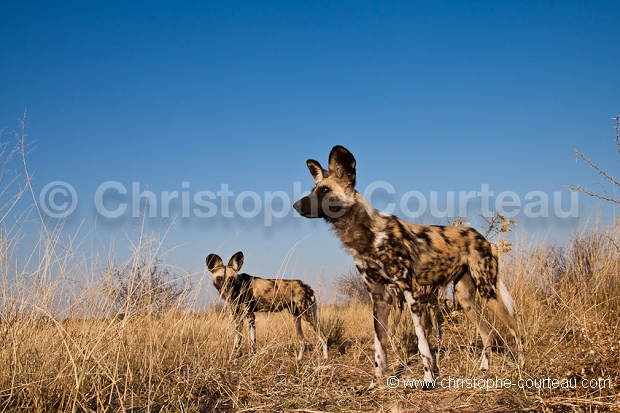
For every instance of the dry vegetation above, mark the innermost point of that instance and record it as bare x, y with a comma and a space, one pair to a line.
65, 347
568, 303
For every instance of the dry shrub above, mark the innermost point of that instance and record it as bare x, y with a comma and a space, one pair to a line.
144, 284
350, 288
568, 304
332, 325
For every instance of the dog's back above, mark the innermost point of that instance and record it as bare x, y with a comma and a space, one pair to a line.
278, 295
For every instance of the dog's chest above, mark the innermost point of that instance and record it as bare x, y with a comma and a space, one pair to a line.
387, 259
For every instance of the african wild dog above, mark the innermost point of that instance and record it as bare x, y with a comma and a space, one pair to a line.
246, 295
391, 253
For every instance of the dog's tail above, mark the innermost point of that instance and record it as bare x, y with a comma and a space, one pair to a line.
506, 298
315, 310
501, 287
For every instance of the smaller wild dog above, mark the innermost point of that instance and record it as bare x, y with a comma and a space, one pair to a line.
246, 295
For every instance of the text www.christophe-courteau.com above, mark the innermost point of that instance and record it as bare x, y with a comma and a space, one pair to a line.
498, 383
113, 199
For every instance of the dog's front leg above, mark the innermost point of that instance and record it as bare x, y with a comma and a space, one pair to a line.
425, 351
252, 323
238, 335
381, 309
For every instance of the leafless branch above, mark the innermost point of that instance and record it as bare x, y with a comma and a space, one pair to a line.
598, 169
592, 194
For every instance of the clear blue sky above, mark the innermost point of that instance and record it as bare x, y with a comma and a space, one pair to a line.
429, 96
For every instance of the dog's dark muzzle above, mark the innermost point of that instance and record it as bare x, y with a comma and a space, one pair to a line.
306, 208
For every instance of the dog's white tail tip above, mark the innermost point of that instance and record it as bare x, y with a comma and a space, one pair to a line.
506, 298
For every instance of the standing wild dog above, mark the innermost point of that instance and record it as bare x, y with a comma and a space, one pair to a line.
246, 295
391, 253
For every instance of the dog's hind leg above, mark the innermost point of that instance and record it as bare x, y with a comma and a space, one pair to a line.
504, 313
465, 294
312, 317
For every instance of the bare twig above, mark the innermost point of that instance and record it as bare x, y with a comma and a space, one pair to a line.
617, 128
600, 170
592, 194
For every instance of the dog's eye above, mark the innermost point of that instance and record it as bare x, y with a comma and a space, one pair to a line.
324, 189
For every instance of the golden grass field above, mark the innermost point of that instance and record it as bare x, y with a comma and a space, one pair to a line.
567, 305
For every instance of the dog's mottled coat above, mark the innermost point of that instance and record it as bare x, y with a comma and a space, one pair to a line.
394, 254
247, 295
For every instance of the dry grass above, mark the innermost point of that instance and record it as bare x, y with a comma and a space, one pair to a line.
568, 303
64, 346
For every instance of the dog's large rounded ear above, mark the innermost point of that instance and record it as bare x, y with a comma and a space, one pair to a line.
342, 163
214, 261
317, 171
236, 261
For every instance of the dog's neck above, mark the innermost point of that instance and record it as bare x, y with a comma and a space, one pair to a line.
354, 228
230, 287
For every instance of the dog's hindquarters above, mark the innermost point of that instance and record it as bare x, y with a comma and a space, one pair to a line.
496, 298
503, 307
311, 315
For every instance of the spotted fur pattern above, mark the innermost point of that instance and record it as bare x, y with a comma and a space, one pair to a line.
392, 254
247, 295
